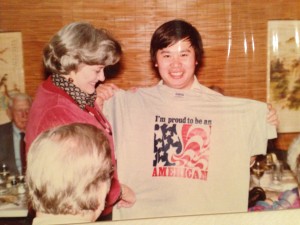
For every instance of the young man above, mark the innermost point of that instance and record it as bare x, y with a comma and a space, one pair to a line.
69, 174
11, 149
184, 148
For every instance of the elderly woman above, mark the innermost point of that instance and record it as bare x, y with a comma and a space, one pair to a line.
78, 194
293, 157
76, 57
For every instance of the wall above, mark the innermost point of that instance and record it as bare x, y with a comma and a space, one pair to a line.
229, 28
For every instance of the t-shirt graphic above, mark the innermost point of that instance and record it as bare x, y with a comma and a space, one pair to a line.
181, 150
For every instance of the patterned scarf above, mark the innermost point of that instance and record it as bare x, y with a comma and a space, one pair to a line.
81, 98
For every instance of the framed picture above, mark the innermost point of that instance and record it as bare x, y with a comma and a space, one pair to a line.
11, 69
283, 90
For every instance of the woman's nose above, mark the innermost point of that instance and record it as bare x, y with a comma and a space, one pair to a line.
101, 76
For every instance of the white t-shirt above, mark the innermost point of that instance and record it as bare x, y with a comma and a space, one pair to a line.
185, 152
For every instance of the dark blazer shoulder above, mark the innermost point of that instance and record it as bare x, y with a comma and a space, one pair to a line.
7, 154
6, 129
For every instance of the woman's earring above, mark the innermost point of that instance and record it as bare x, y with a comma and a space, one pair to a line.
70, 80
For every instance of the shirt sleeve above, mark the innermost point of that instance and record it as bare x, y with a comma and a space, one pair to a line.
261, 130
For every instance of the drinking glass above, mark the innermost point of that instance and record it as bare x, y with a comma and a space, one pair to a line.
258, 170
278, 172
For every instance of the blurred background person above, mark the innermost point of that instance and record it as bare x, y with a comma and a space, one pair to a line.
12, 148
293, 156
76, 195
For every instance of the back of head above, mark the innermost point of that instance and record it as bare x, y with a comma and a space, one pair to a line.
173, 31
67, 167
80, 42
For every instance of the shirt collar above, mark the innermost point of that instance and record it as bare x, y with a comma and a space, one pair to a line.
16, 130
195, 84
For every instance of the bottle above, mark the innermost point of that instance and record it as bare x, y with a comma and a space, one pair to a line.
14, 188
4, 174
22, 191
21, 185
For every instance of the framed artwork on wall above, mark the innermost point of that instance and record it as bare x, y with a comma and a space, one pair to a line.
11, 69
283, 72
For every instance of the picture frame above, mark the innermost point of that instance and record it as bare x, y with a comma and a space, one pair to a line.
283, 78
11, 69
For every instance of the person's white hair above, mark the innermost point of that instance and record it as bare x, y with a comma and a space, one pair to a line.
67, 167
293, 154
18, 96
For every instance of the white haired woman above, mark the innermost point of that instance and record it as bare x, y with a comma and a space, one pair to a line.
75, 58
60, 190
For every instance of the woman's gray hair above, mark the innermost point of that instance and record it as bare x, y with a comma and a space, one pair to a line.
80, 42
293, 154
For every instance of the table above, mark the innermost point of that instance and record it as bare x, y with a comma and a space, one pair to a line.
13, 209
279, 194
11, 214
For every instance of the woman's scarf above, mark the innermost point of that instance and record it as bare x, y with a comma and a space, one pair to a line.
81, 98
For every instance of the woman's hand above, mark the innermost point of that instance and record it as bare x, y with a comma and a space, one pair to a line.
104, 92
128, 197
272, 117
